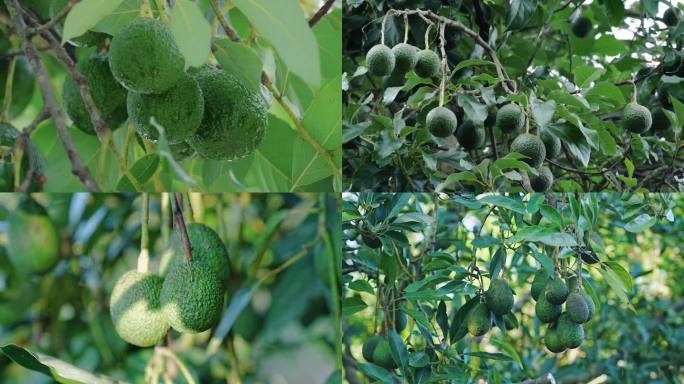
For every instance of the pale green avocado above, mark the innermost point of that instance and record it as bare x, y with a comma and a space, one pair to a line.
136, 310
532, 147
427, 64
556, 291
552, 340
510, 118
636, 118
441, 122
380, 60
405, 57
382, 355
546, 311
33, 241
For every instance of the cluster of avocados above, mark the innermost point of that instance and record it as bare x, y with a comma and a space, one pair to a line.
401, 59
498, 299
32, 238
144, 78
565, 330
187, 296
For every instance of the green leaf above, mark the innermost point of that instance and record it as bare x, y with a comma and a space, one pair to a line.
520, 13
282, 23
542, 111
353, 304
622, 273
399, 351
471, 63
389, 267
585, 75
606, 90
142, 170
85, 15
490, 356
239, 60
238, 302
615, 283
608, 45
192, 32
474, 111
361, 286
504, 202
640, 223
376, 372
128, 11
328, 33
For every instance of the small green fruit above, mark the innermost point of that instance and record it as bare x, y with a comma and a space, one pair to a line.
369, 347
671, 17
32, 239
543, 181
469, 136
532, 147
479, 320
538, 284
380, 60
591, 306
510, 118
551, 143
382, 355
636, 118
545, 311
552, 340
441, 122
405, 57
499, 297
427, 64
582, 26
400, 320
556, 292
570, 334
577, 309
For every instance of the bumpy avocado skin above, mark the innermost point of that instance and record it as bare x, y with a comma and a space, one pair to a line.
136, 310
179, 110
427, 64
470, 136
144, 57
556, 291
8, 138
32, 239
192, 297
479, 320
531, 146
546, 311
108, 95
380, 60
543, 181
405, 57
207, 247
369, 347
235, 117
552, 144
581, 26
510, 118
636, 118
382, 355
441, 122
576, 306
499, 297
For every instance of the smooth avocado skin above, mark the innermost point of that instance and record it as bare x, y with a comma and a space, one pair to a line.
499, 297
107, 94
556, 292
441, 122
581, 27
552, 340
636, 118
192, 297
179, 111
404, 57
532, 147
470, 136
546, 311
144, 57
369, 347
427, 64
235, 117
543, 181
479, 320
510, 118
577, 309
32, 239
136, 310
380, 60
570, 334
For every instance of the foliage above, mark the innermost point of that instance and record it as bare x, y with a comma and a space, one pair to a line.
527, 54
439, 253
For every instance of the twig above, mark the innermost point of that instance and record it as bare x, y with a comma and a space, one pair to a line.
176, 206
56, 19
320, 13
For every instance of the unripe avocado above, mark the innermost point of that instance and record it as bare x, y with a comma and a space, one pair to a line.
532, 147
32, 239
581, 26
636, 118
571, 282
107, 94
23, 84
441, 122
577, 309
543, 181
382, 355
552, 340
192, 297
671, 17
235, 117
469, 136
179, 111
556, 292
660, 121
510, 118
369, 347
545, 311
479, 320
591, 306
144, 57
371, 240
405, 57
551, 143
395, 79
8, 138
570, 334
207, 248
538, 284
136, 310
427, 64
499, 298
400, 320
380, 60
181, 151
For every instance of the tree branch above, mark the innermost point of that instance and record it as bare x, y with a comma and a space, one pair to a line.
56, 19
321, 12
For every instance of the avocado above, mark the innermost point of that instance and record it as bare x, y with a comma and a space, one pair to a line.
405, 56
636, 118
479, 320
571, 282
671, 17
551, 143
8, 138
179, 110
577, 309
192, 297
235, 117
380, 60
400, 320
32, 239
107, 94
427, 64
556, 292
538, 284
441, 122
144, 57
673, 62
207, 247
369, 347
591, 306
545, 311
371, 240
499, 297
570, 334
532, 147
382, 355
181, 151
552, 340
23, 84
395, 79
510, 118
470, 136
135, 308
660, 121
543, 181
581, 26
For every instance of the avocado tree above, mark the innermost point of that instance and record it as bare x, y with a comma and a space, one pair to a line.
519, 95
117, 288
140, 95
512, 288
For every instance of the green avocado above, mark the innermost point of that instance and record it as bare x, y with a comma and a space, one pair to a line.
235, 117
441, 122
556, 292
181, 151
571, 282
369, 347
499, 297
372, 240
192, 297
427, 64
577, 309
400, 320
479, 320
144, 57
107, 94
545, 311
543, 181
470, 136
179, 110
581, 26
671, 17
551, 143
591, 306
382, 355
538, 284
207, 247
636, 118
23, 84
552, 340
8, 138
532, 147
136, 310
32, 239
570, 334
380, 60
405, 56
673, 62
510, 118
